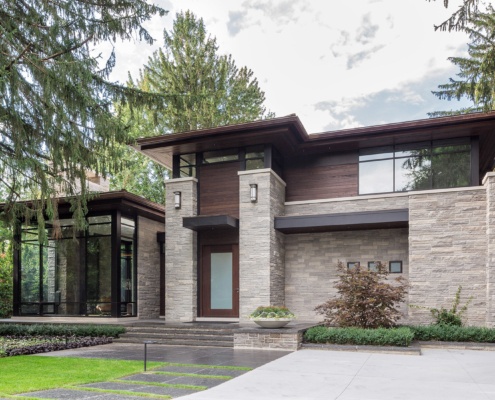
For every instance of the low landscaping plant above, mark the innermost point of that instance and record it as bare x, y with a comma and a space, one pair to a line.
271, 312
365, 298
452, 316
359, 336
452, 333
19, 345
61, 330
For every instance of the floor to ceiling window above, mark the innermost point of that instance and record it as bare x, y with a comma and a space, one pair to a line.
71, 274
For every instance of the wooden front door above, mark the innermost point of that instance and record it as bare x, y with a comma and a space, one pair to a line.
220, 281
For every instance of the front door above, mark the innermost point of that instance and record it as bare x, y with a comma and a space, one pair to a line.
220, 281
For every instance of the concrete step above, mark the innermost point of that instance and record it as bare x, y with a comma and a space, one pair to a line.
180, 334
177, 331
165, 335
178, 342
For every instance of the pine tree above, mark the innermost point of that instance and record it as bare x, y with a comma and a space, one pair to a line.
477, 72
207, 88
459, 18
56, 103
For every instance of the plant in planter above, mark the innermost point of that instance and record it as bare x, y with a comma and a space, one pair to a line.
272, 316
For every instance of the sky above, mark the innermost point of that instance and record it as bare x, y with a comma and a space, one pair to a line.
335, 64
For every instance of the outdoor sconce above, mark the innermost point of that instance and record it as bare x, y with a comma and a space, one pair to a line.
254, 192
177, 199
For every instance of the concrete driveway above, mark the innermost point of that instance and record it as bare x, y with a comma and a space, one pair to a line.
317, 374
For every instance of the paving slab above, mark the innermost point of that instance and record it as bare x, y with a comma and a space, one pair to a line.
78, 395
327, 375
160, 390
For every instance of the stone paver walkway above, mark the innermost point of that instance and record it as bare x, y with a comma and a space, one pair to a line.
206, 368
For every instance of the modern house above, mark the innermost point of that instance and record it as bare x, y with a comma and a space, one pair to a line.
114, 268
261, 213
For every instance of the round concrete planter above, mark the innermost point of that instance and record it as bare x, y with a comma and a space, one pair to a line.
272, 323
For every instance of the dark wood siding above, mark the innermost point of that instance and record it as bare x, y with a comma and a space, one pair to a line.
323, 177
219, 189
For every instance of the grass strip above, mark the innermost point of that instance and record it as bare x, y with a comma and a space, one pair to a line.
170, 385
189, 375
23, 374
122, 392
231, 367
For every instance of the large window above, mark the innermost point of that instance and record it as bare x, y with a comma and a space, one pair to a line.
421, 166
71, 272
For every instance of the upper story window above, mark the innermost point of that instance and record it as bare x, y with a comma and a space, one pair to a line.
419, 166
212, 157
255, 157
187, 165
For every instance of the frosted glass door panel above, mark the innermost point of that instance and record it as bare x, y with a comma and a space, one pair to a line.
221, 281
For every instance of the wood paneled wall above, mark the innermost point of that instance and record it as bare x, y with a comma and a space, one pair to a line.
322, 177
219, 189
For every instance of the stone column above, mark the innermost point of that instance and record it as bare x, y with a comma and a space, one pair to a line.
180, 252
489, 183
148, 264
261, 248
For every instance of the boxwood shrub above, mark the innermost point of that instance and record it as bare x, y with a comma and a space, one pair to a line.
359, 336
450, 333
61, 330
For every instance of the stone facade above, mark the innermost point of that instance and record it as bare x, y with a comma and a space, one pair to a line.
311, 263
261, 248
447, 249
148, 251
181, 253
268, 340
348, 204
489, 183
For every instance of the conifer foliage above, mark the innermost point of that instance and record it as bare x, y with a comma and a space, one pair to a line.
56, 103
459, 18
476, 77
204, 89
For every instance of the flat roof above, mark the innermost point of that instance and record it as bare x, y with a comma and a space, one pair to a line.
289, 136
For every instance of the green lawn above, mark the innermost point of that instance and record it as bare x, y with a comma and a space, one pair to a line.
23, 374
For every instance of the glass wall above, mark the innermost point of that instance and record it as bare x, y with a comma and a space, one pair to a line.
72, 274
421, 166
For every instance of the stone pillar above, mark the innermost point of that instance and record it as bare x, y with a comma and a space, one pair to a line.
261, 248
180, 252
148, 267
489, 183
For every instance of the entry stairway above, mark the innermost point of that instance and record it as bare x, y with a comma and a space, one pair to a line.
186, 334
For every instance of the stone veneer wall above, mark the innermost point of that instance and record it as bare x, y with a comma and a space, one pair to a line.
347, 205
489, 183
448, 248
311, 263
261, 248
268, 339
181, 253
148, 268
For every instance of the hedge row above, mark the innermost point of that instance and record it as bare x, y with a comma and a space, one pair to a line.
402, 336
359, 336
61, 330
449, 333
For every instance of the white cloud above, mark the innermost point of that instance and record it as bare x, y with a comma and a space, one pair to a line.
362, 56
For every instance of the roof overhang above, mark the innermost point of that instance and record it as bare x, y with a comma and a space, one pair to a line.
385, 219
290, 138
286, 133
209, 222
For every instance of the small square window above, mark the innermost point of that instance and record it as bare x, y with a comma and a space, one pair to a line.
352, 264
372, 266
395, 267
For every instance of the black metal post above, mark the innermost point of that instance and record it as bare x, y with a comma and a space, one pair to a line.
146, 342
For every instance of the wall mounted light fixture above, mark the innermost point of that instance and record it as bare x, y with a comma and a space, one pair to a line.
254, 192
177, 200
